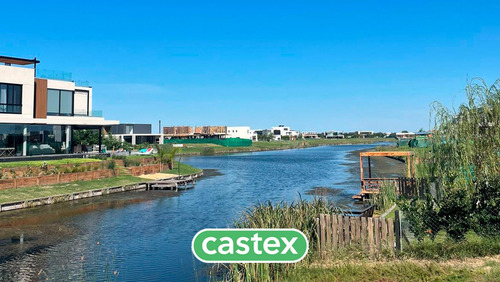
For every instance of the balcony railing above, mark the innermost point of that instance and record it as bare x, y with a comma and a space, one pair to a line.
93, 113
53, 74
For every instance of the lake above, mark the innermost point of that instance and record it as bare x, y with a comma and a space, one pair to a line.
147, 235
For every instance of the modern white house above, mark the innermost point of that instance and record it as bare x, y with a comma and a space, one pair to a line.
135, 133
38, 115
281, 130
334, 135
243, 132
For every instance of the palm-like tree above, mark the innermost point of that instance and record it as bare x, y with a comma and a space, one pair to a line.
166, 155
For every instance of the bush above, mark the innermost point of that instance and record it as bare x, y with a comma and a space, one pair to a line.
463, 162
111, 164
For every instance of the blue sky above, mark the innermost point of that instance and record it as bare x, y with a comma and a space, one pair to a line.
312, 65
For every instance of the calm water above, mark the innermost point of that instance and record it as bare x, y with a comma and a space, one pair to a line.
147, 235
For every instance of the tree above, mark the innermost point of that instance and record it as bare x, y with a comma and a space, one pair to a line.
166, 155
87, 137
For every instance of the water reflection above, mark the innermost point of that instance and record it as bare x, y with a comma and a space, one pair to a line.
147, 235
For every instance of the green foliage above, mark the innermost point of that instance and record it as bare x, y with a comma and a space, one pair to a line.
111, 164
300, 214
386, 196
166, 154
463, 161
87, 137
128, 162
471, 246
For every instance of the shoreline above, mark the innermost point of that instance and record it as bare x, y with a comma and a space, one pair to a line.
210, 150
50, 200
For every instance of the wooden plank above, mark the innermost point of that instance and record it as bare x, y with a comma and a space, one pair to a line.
383, 236
322, 231
371, 241
335, 237
397, 231
352, 224
364, 234
347, 235
390, 230
340, 227
317, 235
386, 154
357, 232
377, 234
328, 227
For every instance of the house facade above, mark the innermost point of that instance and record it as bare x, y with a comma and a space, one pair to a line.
38, 115
136, 133
243, 132
281, 130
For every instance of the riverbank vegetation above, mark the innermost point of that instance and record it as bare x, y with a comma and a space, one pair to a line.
461, 167
439, 259
26, 193
211, 149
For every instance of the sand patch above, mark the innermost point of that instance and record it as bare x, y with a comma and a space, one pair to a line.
157, 176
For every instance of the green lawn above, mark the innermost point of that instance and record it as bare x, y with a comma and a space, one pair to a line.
184, 169
50, 162
20, 194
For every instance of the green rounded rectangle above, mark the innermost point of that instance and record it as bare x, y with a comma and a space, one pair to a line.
250, 245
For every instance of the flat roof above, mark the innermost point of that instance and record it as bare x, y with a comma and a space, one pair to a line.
386, 154
18, 61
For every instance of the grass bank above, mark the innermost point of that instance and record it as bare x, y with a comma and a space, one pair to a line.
49, 162
482, 269
211, 149
26, 193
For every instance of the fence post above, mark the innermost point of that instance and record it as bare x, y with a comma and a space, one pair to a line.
397, 230
317, 235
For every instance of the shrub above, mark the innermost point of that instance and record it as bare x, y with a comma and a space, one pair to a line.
111, 164
463, 161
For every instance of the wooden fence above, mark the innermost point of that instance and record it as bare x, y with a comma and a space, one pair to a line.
336, 232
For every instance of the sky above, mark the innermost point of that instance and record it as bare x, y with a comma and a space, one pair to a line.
311, 65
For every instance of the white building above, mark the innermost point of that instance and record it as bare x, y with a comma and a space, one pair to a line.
281, 130
243, 132
136, 133
405, 135
38, 115
334, 135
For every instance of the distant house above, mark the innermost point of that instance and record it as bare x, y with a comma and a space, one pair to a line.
365, 133
405, 135
280, 131
334, 135
243, 132
135, 133
310, 135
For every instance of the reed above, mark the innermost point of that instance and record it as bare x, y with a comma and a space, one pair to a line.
299, 214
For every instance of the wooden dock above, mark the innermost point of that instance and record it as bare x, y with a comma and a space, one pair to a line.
171, 184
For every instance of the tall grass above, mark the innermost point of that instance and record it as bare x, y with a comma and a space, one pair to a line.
300, 214
386, 196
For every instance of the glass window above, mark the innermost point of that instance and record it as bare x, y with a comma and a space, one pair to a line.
66, 103
10, 98
59, 102
53, 102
